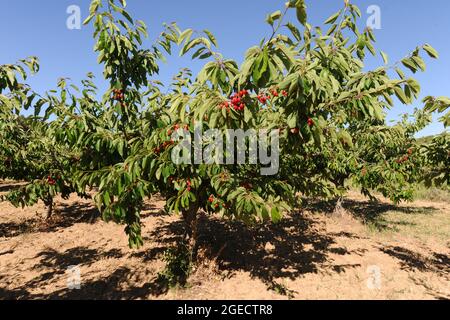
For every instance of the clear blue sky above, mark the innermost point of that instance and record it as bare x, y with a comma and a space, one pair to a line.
39, 28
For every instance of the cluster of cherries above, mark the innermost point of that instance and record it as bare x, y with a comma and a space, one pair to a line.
216, 202
170, 142
176, 128
119, 96
163, 146
263, 98
52, 181
405, 158
189, 185
237, 99
188, 182
297, 130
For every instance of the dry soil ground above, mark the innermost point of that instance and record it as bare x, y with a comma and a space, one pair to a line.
397, 253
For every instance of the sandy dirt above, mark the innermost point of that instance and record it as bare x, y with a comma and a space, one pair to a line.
310, 255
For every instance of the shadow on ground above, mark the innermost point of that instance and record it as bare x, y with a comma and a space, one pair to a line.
298, 248
64, 216
290, 249
437, 263
295, 247
114, 286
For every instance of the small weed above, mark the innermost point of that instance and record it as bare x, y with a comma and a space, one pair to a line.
282, 289
178, 267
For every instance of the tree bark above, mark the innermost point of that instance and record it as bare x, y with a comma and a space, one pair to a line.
339, 209
49, 205
190, 218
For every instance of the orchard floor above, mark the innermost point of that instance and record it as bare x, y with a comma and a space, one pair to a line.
397, 253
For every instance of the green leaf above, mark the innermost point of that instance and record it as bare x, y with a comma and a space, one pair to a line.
88, 19
247, 115
408, 63
292, 121
401, 95
333, 18
127, 16
276, 215
301, 12
385, 57
185, 35
431, 51
211, 37
295, 32
11, 77
271, 18
419, 62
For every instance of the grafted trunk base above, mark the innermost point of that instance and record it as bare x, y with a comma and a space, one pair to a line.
49, 213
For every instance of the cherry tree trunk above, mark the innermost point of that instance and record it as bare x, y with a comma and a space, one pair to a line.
190, 218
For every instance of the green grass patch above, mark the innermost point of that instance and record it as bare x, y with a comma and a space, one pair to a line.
432, 194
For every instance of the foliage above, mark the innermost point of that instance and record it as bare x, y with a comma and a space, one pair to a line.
178, 261
437, 166
308, 83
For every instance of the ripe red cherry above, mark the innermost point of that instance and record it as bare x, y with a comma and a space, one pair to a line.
224, 104
262, 99
51, 181
310, 122
295, 131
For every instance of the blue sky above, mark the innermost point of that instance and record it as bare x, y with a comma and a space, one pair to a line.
39, 28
